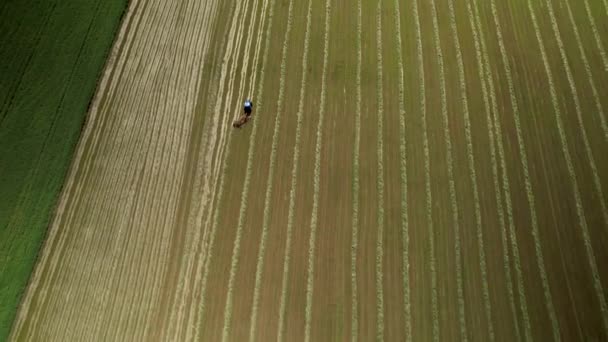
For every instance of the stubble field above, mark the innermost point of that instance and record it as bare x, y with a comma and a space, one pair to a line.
414, 170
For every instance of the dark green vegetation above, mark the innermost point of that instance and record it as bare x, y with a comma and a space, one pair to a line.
52, 54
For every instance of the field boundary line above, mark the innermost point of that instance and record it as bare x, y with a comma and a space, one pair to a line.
269, 184
380, 180
354, 328
294, 180
317, 176
579, 205
470, 157
403, 169
528, 184
245, 192
587, 66
427, 173
500, 208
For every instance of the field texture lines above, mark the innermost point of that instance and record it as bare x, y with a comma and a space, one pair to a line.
380, 182
491, 135
588, 71
567, 155
316, 179
403, 170
470, 157
272, 164
427, 180
245, 192
354, 320
450, 170
424, 170
294, 180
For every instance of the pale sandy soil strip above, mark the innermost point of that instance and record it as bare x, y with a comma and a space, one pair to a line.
215, 224
294, 180
354, 319
481, 68
596, 98
380, 181
471, 159
596, 35
427, 176
244, 194
529, 192
316, 180
451, 181
403, 169
270, 180
577, 196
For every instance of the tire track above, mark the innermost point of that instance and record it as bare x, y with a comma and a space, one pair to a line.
294, 180
269, 184
317, 172
380, 181
500, 210
355, 218
587, 66
577, 196
529, 192
244, 194
470, 153
427, 178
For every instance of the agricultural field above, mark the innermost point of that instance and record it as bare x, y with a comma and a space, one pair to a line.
420, 170
51, 54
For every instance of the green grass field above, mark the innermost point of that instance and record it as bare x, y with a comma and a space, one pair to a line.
51, 57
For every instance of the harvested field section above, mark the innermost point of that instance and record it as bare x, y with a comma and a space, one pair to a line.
422, 170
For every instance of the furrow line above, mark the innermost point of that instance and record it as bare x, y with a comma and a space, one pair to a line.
587, 66
244, 194
505, 178
294, 180
581, 126
403, 169
528, 184
596, 35
356, 188
269, 184
471, 160
316, 180
380, 181
579, 205
427, 176
451, 181
500, 209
